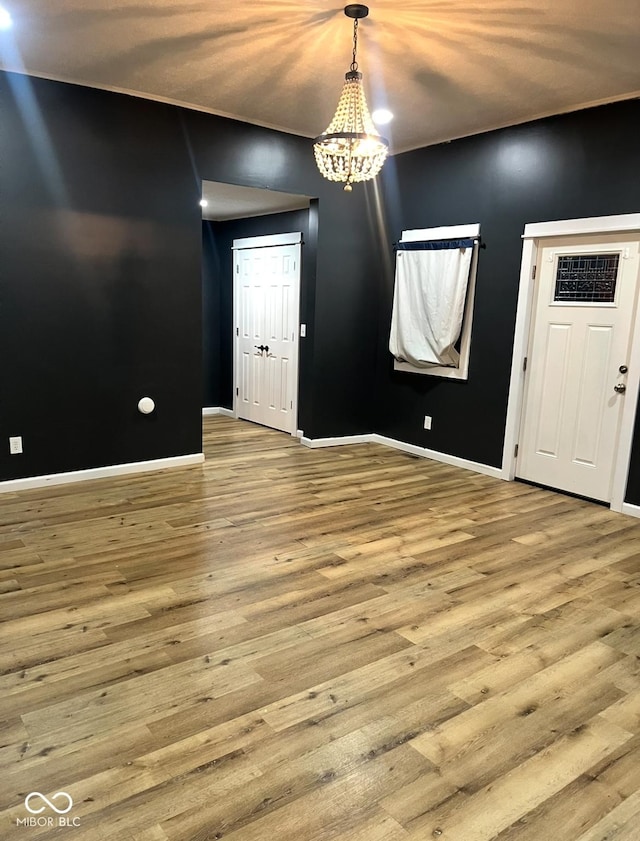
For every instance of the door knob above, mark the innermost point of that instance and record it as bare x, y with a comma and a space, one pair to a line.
620, 388
623, 369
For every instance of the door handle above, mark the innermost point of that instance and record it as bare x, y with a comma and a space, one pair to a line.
261, 347
620, 388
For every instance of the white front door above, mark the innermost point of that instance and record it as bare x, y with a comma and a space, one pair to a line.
267, 282
577, 360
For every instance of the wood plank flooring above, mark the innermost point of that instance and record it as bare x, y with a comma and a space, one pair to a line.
348, 643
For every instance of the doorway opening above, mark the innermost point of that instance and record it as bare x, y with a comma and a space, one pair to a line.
232, 213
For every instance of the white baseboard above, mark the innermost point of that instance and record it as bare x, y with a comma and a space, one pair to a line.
100, 472
313, 443
422, 452
477, 467
435, 455
217, 410
630, 509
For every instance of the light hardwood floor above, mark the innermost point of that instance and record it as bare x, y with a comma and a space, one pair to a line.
298, 644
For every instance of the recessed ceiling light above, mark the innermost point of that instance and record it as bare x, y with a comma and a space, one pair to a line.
204, 203
5, 19
382, 116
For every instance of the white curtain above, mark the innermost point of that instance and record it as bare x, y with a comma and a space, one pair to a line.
428, 303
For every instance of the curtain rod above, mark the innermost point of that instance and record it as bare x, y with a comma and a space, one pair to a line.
476, 241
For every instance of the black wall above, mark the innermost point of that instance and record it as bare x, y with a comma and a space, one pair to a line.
212, 318
101, 270
338, 357
581, 164
99, 279
100, 275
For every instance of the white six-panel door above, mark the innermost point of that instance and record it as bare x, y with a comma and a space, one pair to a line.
576, 362
267, 282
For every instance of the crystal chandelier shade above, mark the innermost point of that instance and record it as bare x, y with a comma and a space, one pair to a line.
350, 149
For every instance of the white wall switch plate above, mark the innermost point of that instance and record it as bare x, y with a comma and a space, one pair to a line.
303, 331
427, 421
15, 445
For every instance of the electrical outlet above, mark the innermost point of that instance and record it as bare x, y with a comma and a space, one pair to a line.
427, 421
15, 445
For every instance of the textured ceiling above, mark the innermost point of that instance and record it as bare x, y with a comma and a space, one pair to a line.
229, 201
446, 68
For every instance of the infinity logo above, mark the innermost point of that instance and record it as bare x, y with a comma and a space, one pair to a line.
48, 802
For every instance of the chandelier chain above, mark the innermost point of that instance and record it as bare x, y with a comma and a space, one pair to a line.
354, 63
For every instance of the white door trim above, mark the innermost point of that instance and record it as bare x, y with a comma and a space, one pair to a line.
294, 238
589, 225
267, 241
533, 239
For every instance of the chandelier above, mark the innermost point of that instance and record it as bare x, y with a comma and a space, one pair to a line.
350, 149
